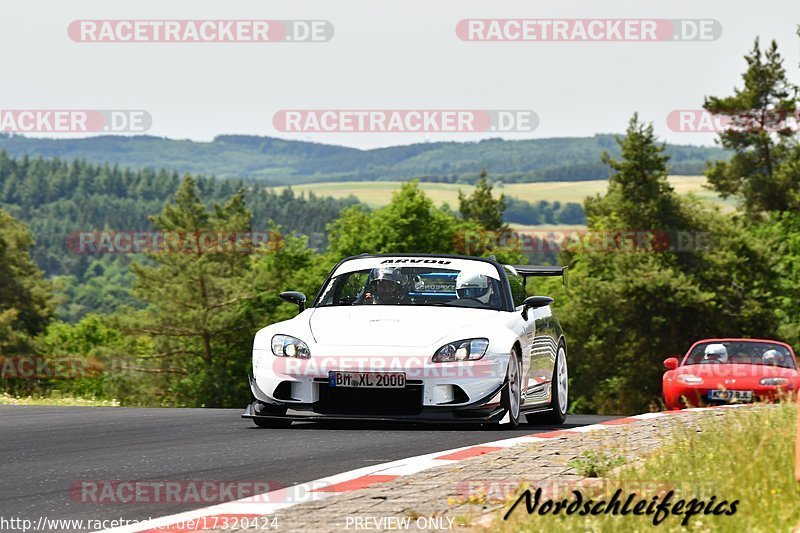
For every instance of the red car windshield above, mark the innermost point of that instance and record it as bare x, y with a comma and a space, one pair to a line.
741, 352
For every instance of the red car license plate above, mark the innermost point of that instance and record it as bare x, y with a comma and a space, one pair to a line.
731, 395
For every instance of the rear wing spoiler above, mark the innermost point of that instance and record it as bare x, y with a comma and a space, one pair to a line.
529, 271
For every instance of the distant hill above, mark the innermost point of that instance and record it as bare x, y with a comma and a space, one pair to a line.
279, 161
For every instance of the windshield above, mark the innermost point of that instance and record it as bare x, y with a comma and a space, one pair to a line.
413, 285
741, 352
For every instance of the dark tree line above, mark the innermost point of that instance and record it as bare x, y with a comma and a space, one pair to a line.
56, 197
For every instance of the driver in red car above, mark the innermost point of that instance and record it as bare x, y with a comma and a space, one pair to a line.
773, 358
715, 353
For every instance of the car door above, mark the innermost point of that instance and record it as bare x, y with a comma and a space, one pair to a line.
527, 340
544, 351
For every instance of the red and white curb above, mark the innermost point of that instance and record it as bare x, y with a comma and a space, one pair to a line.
268, 503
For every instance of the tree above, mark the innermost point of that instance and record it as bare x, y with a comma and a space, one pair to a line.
101, 362
26, 303
481, 207
639, 195
292, 266
196, 301
628, 309
780, 232
410, 223
764, 170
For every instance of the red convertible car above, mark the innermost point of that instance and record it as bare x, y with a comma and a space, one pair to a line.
721, 371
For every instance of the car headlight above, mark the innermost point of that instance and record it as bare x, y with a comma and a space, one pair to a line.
690, 379
774, 382
288, 346
466, 350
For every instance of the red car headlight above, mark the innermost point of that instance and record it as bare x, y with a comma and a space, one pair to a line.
773, 382
690, 379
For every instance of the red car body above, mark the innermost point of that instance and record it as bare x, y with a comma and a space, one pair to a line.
689, 382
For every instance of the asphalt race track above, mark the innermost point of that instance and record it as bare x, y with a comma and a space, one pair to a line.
48, 449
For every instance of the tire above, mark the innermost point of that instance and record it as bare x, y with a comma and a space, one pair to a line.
667, 405
560, 393
272, 423
511, 397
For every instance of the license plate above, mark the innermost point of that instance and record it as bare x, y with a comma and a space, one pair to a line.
368, 380
731, 395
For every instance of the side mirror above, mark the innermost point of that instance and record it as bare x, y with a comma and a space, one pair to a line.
671, 363
294, 297
535, 302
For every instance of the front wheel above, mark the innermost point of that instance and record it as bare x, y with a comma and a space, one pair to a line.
559, 386
511, 397
271, 423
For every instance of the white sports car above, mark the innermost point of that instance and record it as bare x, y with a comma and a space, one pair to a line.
436, 338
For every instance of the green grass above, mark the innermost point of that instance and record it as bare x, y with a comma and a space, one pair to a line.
595, 463
378, 193
56, 399
747, 455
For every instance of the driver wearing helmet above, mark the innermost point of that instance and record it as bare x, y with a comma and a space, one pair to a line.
386, 286
473, 286
715, 353
772, 358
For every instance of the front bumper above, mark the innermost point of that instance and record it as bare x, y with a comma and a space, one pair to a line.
697, 395
355, 405
290, 381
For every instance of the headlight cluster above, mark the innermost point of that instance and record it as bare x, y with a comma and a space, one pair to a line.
774, 382
466, 350
288, 346
690, 379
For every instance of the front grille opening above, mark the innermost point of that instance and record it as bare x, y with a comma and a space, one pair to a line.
283, 391
355, 401
460, 395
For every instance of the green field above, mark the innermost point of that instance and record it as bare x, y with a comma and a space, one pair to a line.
378, 193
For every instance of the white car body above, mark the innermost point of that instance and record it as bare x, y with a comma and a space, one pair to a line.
380, 339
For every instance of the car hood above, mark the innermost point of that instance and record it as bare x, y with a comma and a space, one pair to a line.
391, 325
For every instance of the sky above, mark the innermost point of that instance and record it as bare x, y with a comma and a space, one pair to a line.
384, 55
